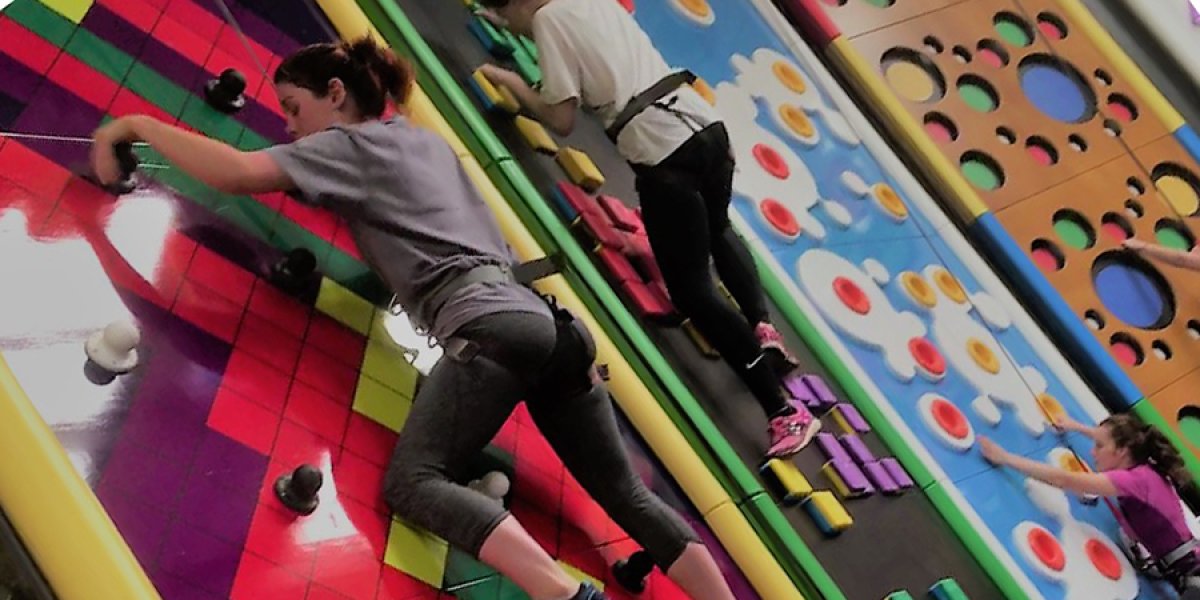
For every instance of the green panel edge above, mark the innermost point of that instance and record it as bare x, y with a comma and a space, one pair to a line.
795, 557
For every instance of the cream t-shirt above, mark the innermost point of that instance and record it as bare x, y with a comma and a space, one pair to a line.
593, 50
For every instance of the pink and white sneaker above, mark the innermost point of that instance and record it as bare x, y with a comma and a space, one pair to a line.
790, 434
770, 339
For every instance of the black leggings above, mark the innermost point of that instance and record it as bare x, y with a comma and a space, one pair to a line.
468, 397
685, 207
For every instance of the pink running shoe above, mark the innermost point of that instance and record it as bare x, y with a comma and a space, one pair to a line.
791, 433
770, 339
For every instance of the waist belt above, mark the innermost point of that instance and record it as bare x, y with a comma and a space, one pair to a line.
1181, 552
522, 274
647, 98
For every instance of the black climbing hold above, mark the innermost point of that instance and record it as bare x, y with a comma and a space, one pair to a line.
298, 490
129, 164
294, 270
631, 574
226, 93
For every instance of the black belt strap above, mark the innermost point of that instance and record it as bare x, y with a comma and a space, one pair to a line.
644, 100
523, 274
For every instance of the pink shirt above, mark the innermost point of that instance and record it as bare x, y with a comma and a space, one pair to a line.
1152, 511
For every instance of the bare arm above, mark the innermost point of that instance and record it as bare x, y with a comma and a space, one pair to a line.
1079, 483
212, 162
1170, 256
559, 118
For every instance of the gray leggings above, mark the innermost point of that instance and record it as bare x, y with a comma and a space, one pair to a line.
465, 401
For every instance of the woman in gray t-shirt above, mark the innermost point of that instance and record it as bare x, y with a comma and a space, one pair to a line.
422, 226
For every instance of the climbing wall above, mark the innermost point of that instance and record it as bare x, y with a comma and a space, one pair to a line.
1053, 149
942, 350
241, 378
861, 515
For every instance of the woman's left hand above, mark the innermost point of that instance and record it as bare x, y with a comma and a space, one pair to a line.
991, 451
103, 155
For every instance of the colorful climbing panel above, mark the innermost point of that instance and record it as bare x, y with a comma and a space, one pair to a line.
1053, 149
937, 350
241, 379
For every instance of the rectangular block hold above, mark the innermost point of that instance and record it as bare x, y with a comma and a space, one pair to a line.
624, 217
492, 96
580, 169
645, 301
795, 386
617, 265
829, 446
601, 230
857, 448
820, 389
849, 419
492, 40
880, 477
792, 483
847, 479
576, 197
947, 589
829, 514
897, 472
564, 205
536, 136
701, 342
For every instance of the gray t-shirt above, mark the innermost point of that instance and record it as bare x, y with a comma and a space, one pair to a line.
414, 213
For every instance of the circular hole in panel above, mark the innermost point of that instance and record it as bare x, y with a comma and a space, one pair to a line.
1122, 108
1193, 329
1126, 350
1047, 255
1133, 290
940, 127
835, 2
880, 3
992, 53
961, 54
912, 75
1112, 127
1189, 423
1161, 350
1074, 230
1077, 143
933, 44
1135, 187
1051, 26
1178, 186
1006, 136
1013, 29
1093, 319
1042, 151
1056, 88
1102, 77
1174, 234
1115, 227
977, 93
981, 170
1134, 209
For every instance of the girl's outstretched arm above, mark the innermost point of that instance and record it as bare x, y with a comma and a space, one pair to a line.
1079, 483
212, 162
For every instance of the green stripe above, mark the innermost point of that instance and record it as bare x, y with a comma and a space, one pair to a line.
40, 19
796, 559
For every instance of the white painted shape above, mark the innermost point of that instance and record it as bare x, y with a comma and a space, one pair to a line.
798, 191
991, 311
854, 182
876, 271
925, 408
883, 327
1021, 541
987, 410
838, 213
758, 74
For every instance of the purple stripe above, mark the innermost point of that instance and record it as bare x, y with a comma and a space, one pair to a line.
20, 82
56, 111
199, 559
111, 28
173, 65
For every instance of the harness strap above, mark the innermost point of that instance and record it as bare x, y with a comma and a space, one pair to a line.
522, 274
1182, 551
647, 98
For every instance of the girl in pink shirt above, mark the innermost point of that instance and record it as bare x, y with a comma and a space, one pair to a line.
1143, 471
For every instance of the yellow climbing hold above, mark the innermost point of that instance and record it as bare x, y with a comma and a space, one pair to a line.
918, 289
701, 86
949, 286
536, 136
796, 120
889, 201
983, 355
1051, 408
580, 169
698, 8
789, 76
1179, 194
